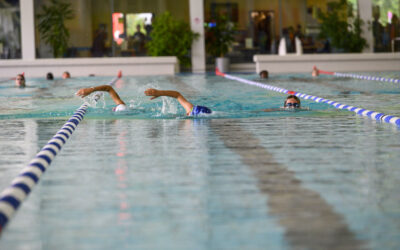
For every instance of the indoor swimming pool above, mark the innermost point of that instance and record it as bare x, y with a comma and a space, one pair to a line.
240, 178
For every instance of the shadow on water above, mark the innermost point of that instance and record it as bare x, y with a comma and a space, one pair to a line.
309, 221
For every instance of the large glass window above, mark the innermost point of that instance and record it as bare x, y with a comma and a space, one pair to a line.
259, 25
109, 28
262, 24
386, 25
10, 29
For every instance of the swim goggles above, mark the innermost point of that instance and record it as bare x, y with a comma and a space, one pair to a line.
294, 105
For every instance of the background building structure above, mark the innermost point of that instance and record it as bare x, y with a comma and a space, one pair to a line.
260, 25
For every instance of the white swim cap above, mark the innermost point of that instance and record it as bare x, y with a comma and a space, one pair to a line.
120, 107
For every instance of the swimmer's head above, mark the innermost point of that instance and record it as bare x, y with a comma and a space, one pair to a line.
66, 75
315, 72
120, 107
292, 101
49, 76
20, 81
264, 74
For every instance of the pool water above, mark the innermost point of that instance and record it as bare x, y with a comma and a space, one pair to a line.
152, 178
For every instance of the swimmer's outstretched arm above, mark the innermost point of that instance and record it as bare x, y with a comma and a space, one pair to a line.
106, 88
171, 93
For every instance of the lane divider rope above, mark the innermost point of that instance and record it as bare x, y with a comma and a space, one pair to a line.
372, 78
13, 196
360, 111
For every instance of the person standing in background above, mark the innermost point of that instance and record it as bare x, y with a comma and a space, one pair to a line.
99, 41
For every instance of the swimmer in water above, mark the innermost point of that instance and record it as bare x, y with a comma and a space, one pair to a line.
121, 106
50, 76
191, 110
66, 75
263, 74
315, 72
292, 102
20, 81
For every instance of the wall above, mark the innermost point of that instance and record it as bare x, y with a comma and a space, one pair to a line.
85, 66
328, 62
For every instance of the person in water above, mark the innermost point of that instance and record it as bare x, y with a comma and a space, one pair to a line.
121, 106
66, 75
292, 102
315, 72
20, 81
191, 110
50, 76
263, 74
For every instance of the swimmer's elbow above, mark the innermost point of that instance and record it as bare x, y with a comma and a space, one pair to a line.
108, 88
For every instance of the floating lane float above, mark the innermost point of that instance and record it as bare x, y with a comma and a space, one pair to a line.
13, 196
350, 75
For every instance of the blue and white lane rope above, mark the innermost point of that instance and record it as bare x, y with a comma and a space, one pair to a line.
360, 111
372, 78
13, 196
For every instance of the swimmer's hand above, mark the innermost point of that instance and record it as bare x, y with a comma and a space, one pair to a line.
152, 92
84, 92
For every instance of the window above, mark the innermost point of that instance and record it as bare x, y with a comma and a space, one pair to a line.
10, 29
386, 25
259, 25
106, 28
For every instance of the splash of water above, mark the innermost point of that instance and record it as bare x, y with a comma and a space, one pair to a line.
96, 99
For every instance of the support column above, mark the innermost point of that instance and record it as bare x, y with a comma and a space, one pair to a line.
365, 10
280, 18
197, 25
113, 48
27, 30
